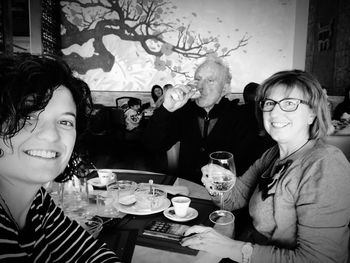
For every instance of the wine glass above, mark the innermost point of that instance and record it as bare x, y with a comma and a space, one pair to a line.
222, 182
193, 84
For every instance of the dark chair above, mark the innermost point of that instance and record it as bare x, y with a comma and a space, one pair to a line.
122, 102
100, 120
340, 141
118, 122
100, 131
173, 157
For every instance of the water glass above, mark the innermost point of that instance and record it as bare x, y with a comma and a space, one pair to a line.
74, 194
126, 188
106, 201
226, 225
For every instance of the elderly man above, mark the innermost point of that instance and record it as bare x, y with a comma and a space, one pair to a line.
203, 123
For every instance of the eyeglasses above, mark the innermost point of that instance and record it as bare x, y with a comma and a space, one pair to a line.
287, 104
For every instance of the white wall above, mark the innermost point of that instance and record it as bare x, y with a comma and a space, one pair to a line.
300, 37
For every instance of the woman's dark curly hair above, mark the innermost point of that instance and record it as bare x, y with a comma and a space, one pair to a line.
27, 83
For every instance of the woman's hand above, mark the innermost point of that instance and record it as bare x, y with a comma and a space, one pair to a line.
209, 240
177, 96
211, 171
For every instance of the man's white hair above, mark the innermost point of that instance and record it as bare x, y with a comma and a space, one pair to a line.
219, 61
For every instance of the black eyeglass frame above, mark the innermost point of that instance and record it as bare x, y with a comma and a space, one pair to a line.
297, 101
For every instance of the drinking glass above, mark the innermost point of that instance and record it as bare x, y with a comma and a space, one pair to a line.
193, 84
222, 182
106, 199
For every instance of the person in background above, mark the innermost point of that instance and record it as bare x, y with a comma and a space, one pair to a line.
203, 121
249, 93
157, 96
132, 115
329, 102
248, 109
342, 110
43, 112
298, 192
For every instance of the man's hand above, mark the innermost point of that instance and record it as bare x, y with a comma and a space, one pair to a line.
177, 96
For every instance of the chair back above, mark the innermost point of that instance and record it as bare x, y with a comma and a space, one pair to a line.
173, 157
340, 141
122, 102
100, 120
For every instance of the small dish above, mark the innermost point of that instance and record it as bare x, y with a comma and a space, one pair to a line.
170, 214
96, 182
136, 210
127, 200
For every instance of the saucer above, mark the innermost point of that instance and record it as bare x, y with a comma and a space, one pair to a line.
170, 213
96, 182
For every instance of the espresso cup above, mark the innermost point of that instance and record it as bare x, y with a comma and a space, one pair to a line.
105, 176
181, 204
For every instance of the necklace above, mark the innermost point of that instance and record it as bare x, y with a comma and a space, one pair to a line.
7, 209
298, 149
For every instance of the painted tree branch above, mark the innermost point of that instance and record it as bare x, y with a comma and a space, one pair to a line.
138, 21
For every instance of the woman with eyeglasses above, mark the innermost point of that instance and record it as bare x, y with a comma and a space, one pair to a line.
297, 193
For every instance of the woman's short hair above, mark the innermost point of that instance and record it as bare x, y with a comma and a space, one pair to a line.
313, 94
27, 83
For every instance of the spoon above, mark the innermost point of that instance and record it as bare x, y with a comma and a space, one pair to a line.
150, 186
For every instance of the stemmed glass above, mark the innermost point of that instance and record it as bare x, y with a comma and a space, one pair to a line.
222, 182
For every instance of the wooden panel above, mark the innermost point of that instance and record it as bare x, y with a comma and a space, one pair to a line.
6, 26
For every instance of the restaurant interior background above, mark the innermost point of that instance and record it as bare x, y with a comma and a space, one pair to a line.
123, 48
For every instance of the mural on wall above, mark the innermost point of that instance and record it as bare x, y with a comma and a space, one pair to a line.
129, 45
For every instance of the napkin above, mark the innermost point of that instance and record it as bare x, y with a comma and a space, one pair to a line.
170, 189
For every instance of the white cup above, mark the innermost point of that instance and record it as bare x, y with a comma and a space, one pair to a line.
181, 204
105, 176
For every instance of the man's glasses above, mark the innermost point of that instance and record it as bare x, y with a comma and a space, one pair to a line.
287, 104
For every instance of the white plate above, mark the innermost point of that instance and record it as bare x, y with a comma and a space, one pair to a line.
133, 210
170, 213
96, 182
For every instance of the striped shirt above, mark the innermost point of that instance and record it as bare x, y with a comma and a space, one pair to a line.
49, 236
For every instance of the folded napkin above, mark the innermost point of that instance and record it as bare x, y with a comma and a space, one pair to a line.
170, 189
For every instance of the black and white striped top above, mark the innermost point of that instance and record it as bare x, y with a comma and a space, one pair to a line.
49, 236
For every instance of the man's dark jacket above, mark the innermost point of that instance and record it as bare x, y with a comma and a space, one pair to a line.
226, 128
